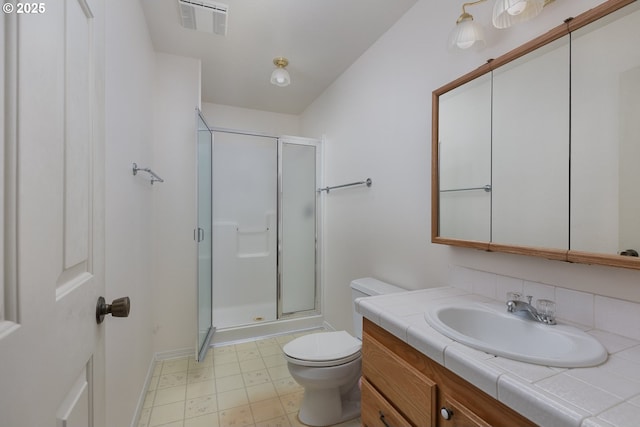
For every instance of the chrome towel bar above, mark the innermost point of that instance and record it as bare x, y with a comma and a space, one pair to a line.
154, 176
367, 182
486, 188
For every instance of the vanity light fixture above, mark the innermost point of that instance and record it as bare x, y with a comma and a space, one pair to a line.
280, 76
510, 12
467, 32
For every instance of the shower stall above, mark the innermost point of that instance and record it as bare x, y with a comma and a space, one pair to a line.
262, 229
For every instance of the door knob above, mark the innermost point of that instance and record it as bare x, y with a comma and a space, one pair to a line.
119, 307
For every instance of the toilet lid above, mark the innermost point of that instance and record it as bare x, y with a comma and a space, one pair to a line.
323, 346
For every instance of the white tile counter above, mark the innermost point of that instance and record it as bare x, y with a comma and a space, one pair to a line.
607, 395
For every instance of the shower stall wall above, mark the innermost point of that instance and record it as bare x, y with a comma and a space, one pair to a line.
264, 228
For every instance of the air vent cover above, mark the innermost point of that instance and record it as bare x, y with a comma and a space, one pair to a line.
204, 15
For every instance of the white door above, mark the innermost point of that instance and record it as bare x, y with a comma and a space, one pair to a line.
51, 348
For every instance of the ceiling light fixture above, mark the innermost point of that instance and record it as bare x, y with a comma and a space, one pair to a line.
280, 76
467, 32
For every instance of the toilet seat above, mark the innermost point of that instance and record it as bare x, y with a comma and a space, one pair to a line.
323, 349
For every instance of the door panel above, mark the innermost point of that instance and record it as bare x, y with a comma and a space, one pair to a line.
298, 207
75, 410
244, 225
77, 132
52, 361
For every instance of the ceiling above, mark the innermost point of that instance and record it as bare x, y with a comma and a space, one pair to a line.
320, 38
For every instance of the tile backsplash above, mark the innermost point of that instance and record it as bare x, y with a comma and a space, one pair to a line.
591, 311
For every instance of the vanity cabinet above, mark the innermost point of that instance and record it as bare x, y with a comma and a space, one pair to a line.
403, 387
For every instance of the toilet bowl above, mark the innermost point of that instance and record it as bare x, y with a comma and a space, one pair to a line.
328, 365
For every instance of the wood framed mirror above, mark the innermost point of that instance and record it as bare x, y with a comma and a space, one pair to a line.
535, 152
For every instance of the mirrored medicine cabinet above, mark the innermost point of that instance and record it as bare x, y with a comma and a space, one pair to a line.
538, 152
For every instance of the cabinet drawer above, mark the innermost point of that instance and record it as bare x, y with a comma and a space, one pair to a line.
457, 415
377, 412
412, 393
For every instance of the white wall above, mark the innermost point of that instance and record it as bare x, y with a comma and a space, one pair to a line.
377, 121
172, 212
224, 116
130, 62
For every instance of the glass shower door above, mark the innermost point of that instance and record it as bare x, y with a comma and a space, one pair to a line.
204, 238
245, 229
298, 201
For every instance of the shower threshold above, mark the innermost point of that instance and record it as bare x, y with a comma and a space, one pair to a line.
263, 329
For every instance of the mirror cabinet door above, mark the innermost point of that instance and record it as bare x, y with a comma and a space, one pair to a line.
605, 129
530, 144
464, 149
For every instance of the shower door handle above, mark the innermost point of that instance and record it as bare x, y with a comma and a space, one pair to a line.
199, 237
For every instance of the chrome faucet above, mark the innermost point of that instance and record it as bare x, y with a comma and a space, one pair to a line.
517, 306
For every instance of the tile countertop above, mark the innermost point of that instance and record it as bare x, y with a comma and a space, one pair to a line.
607, 395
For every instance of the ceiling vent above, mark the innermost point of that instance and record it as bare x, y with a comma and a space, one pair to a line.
204, 15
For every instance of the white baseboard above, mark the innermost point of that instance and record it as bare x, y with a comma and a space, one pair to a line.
143, 394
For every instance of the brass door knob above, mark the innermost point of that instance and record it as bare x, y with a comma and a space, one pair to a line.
119, 307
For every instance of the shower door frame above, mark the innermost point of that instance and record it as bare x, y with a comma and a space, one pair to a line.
318, 216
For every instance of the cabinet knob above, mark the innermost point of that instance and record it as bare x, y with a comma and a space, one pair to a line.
446, 413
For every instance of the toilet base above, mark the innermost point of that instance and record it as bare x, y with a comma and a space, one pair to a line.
326, 407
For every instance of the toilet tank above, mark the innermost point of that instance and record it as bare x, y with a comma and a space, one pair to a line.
366, 287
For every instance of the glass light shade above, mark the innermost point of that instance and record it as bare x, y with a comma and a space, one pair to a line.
509, 12
280, 77
466, 34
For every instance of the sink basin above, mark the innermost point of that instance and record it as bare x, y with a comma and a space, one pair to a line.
514, 336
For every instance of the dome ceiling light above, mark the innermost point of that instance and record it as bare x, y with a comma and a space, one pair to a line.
280, 76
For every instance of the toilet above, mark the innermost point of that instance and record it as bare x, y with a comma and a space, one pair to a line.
328, 365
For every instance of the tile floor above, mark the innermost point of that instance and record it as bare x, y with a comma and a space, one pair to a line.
239, 385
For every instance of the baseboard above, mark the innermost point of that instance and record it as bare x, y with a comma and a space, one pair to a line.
173, 354
143, 394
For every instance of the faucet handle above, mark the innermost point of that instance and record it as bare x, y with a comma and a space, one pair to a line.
547, 308
514, 296
529, 298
